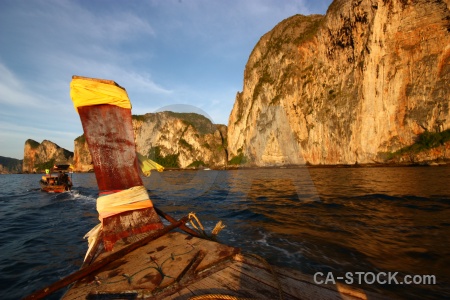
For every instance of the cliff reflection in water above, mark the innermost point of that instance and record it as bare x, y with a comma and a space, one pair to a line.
311, 219
363, 219
326, 219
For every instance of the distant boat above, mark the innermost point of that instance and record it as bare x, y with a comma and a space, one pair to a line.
56, 180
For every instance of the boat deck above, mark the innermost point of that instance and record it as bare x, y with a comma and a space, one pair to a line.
179, 266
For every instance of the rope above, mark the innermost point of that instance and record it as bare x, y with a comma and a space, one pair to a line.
219, 226
113, 202
200, 227
197, 225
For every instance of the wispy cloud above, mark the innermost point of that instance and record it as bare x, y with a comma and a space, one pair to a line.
163, 52
58, 36
13, 92
68, 23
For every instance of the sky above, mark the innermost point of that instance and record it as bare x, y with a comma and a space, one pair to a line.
165, 53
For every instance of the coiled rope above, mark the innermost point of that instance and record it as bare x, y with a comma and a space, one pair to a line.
198, 226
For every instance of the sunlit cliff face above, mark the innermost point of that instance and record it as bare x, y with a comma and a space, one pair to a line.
194, 141
178, 141
346, 87
36, 154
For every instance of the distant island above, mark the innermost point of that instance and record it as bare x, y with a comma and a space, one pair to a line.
174, 140
200, 148
10, 165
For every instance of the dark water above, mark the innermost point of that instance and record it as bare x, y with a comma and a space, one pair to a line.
312, 220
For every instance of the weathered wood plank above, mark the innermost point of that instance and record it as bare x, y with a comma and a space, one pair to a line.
248, 286
178, 278
109, 133
156, 268
113, 257
171, 220
299, 285
211, 285
294, 288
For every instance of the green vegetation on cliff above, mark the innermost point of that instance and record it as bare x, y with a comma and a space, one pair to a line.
45, 165
425, 141
239, 159
141, 118
33, 144
168, 161
202, 124
81, 139
428, 140
197, 164
182, 142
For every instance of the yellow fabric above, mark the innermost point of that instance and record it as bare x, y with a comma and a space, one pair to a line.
131, 199
147, 165
86, 92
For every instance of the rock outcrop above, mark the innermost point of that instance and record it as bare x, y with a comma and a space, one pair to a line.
10, 165
347, 87
82, 160
429, 156
181, 140
40, 156
175, 140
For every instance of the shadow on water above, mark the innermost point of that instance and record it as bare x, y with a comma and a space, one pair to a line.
310, 219
330, 220
41, 234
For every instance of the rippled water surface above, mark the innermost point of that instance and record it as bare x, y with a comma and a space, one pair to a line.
310, 219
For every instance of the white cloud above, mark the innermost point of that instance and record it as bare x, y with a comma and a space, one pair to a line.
163, 52
67, 22
141, 82
13, 92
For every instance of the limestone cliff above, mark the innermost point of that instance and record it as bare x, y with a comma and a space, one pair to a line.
177, 140
82, 160
348, 87
40, 156
181, 139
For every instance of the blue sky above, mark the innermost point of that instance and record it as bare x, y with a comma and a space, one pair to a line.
165, 53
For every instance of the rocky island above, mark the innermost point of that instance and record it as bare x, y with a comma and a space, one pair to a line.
351, 87
367, 83
175, 140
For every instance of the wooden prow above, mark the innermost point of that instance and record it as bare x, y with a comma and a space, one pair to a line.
109, 133
110, 137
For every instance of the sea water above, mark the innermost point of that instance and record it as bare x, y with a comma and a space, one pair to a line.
338, 221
